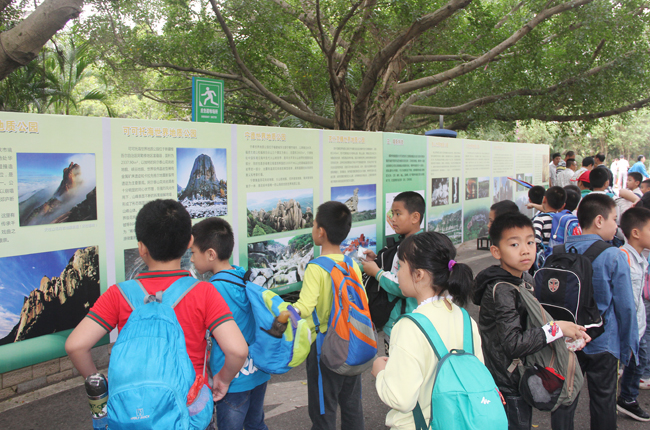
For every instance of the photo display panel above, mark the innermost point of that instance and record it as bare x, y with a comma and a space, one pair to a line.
503, 167
542, 160
352, 175
405, 169
524, 168
278, 190
188, 162
476, 206
52, 232
445, 187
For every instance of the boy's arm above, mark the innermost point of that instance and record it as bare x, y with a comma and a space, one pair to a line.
624, 307
235, 351
79, 344
388, 281
309, 293
538, 225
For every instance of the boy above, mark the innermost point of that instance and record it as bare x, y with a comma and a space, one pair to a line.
584, 184
243, 406
163, 229
501, 313
554, 201
572, 198
331, 226
587, 165
613, 294
635, 223
408, 212
500, 208
630, 194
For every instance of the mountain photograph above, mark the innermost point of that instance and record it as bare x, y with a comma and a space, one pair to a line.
56, 188
278, 211
202, 184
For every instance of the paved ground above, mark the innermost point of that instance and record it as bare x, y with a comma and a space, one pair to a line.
65, 406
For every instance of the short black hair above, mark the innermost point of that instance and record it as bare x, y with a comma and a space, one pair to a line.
640, 157
587, 161
601, 157
536, 194
570, 154
598, 177
507, 221
165, 228
634, 218
335, 218
413, 202
555, 197
570, 162
636, 175
504, 206
592, 205
557, 154
214, 233
572, 199
647, 182
572, 187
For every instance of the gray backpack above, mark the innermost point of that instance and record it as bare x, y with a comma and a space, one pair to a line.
551, 377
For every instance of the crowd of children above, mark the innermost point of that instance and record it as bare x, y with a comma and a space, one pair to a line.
420, 277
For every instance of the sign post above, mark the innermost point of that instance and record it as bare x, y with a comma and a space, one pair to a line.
207, 100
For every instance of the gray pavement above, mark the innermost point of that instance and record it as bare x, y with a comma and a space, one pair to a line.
62, 407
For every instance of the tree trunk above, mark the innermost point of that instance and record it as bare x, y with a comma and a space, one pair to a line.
21, 44
342, 105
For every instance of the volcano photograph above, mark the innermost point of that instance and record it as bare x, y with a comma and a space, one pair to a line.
56, 188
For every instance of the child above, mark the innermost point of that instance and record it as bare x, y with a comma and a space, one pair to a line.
584, 184
572, 198
408, 212
500, 208
331, 226
164, 232
599, 180
635, 223
502, 314
554, 201
243, 406
629, 195
613, 294
429, 274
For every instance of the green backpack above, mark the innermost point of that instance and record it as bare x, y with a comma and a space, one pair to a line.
464, 394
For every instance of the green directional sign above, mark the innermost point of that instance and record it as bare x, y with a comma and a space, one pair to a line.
207, 100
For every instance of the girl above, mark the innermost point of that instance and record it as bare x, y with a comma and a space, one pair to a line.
428, 273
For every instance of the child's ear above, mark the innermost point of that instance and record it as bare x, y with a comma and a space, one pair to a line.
189, 245
415, 218
495, 251
598, 221
143, 250
636, 233
212, 254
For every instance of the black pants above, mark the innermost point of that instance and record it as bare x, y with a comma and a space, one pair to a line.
602, 373
520, 414
337, 390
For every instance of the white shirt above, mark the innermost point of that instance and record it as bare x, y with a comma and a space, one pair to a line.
563, 178
638, 268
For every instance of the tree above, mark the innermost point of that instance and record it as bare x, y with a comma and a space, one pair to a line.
391, 65
22, 40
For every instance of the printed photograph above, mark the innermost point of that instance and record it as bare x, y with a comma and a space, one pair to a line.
503, 189
360, 199
439, 191
389, 203
280, 262
471, 188
520, 187
545, 168
134, 265
448, 222
365, 237
475, 221
202, 181
47, 292
455, 189
483, 187
271, 212
56, 188
528, 177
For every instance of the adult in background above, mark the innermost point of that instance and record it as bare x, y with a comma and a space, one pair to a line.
587, 165
639, 166
564, 176
552, 167
623, 166
569, 155
614, 169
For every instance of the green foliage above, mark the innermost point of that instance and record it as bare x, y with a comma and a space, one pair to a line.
299, 242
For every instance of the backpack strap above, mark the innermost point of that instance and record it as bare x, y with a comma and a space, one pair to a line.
133, 292
596, 249
468, 335
229, 277
629, 262
178, 289
136, 295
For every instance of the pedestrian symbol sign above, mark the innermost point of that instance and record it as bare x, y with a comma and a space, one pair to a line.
207, 100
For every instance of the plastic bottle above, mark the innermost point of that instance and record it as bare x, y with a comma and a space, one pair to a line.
97, 391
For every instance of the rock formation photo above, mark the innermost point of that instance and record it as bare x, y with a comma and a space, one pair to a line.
268, 213
275, 263
205, 193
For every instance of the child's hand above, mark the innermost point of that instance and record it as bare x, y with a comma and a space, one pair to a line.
370, 267
370, 255
219, 388
573, 331
379, 365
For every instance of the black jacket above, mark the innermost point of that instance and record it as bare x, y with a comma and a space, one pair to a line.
502, 324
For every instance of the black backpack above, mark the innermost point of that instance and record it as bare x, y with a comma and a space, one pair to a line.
378, 302
563, 286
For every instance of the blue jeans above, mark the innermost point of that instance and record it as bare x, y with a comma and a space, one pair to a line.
237, 411
645, 368
632, 373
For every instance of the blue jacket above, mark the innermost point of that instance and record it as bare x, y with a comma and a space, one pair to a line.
249, 376
639, 167
613, 293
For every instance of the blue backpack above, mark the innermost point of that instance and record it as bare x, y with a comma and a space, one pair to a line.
268, 353
150, 372
565, 224
464, 394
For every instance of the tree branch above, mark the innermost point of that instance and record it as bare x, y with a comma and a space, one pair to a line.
4, 4
293, 110
505, 18
485, 58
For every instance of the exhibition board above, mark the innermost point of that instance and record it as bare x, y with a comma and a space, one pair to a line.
71, 188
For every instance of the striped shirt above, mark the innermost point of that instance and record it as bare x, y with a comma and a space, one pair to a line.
542, 223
